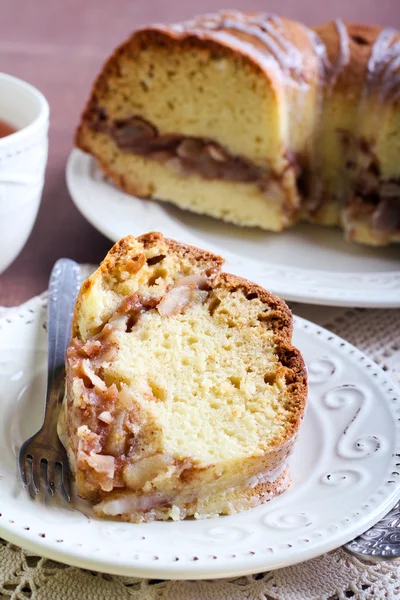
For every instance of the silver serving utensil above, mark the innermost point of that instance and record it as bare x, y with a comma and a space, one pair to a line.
45, 448
381, 541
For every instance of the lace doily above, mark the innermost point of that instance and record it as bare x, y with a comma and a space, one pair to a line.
333, 576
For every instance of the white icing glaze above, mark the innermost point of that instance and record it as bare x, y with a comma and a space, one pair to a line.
390, 75
378, 55
343, 56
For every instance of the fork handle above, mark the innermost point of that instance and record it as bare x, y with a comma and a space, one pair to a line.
63, 288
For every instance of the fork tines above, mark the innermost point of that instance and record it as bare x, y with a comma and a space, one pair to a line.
34, 470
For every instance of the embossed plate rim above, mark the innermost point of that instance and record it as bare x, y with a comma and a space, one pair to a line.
21, 327
369, 290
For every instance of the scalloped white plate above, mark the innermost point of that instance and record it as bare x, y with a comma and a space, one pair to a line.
345, 470
307, 264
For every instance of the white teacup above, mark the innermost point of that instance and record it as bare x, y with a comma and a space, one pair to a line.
23, 158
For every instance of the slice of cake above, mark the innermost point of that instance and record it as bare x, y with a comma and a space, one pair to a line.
184, 393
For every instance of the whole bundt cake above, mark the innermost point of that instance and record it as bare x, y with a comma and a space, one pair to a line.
257, 120
184, 393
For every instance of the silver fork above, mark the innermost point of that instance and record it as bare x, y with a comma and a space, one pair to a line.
44, 449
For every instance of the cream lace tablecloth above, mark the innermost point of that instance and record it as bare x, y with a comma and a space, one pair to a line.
332, 576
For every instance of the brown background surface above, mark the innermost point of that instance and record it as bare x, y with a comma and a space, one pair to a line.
59, 47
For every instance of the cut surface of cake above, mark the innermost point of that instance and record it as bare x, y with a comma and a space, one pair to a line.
184, 393
257, 120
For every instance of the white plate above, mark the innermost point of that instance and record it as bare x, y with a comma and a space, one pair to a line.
306, 264
345, 471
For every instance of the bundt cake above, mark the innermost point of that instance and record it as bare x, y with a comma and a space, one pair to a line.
184, 394
257, 120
